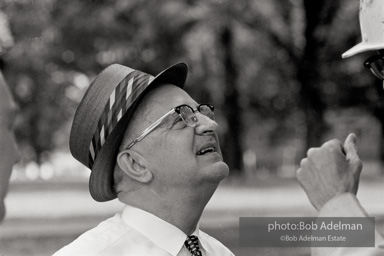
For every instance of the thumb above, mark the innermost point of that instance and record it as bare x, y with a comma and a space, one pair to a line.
350, 147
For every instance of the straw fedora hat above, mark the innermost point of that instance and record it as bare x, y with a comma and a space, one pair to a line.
103, 115
371, 16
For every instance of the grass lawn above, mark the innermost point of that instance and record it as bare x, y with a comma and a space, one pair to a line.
43, 217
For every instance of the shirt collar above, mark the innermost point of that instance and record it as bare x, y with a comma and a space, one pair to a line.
162, 233
204, 245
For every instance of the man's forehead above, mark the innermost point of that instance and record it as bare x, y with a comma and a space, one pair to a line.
166, 97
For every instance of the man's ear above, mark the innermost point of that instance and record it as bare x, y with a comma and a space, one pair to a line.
133, 165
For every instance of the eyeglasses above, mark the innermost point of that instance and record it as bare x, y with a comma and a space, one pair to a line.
186, 113
376, 64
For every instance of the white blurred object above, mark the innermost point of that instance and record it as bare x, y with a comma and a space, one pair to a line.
32, 171
46, 171
6, 38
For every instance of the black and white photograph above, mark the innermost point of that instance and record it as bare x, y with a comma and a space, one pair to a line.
191, 128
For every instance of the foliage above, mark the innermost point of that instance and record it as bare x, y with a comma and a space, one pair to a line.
268, 65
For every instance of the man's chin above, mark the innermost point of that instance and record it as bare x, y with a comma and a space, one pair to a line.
216, 172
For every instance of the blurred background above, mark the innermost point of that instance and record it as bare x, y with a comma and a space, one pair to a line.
272, 68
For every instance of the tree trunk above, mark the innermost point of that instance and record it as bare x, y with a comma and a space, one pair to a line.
378, 112
232, 149
311, 103
309, 74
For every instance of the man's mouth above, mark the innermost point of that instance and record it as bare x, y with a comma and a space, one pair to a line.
206, 150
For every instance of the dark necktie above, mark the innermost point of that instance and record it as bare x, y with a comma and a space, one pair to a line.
192, 244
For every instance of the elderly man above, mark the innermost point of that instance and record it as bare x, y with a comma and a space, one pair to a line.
9, 154
330, 174
150, 144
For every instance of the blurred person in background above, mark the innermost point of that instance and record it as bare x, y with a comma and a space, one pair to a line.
8, 108
148, 143
8, 152
330, 174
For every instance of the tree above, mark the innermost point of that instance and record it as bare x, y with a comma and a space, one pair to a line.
270, 66
304, 40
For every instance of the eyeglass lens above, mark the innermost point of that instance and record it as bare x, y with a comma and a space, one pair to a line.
189, 117
207, 111
377, 68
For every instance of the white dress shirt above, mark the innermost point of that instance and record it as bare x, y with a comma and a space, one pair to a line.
135, 232
347, 205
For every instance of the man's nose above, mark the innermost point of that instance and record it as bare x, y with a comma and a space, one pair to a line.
205, 125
